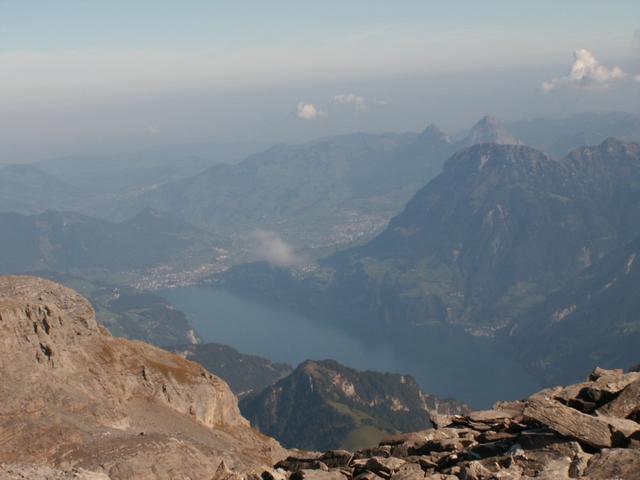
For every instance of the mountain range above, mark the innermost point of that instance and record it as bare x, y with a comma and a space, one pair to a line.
307, 192
478, 232
339, 190
327, 192
501, 227
497, 232
322, 194
74, 243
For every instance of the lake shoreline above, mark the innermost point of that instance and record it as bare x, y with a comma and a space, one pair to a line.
445, 362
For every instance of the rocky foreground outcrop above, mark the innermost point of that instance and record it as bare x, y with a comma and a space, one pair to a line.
79, 403
589, 430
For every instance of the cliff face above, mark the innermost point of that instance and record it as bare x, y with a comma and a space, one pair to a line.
73, 396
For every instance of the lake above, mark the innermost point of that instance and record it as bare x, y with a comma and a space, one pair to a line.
448, 363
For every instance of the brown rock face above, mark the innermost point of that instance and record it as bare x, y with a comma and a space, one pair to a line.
72, 396
597, 432
615, 463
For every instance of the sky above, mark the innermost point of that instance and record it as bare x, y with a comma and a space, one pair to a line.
95, 77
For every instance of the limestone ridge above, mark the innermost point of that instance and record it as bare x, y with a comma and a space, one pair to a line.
74, 396
588, 430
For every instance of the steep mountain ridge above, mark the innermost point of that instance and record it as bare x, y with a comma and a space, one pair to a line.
326, 192
73, 396
323, 404
329, 192
593, 319
318, 189
500, 228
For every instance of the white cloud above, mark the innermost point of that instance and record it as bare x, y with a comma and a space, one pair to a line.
272, 248
307, 111
586, 72
356, 101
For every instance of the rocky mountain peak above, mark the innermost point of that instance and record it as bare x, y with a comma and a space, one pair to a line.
434, 133
73, 395
489, 130
488, 156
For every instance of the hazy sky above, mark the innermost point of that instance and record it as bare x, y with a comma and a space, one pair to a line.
94, 76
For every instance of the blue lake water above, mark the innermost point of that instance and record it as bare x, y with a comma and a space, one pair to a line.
445, 363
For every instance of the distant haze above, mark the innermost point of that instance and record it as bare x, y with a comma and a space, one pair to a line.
82, 77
